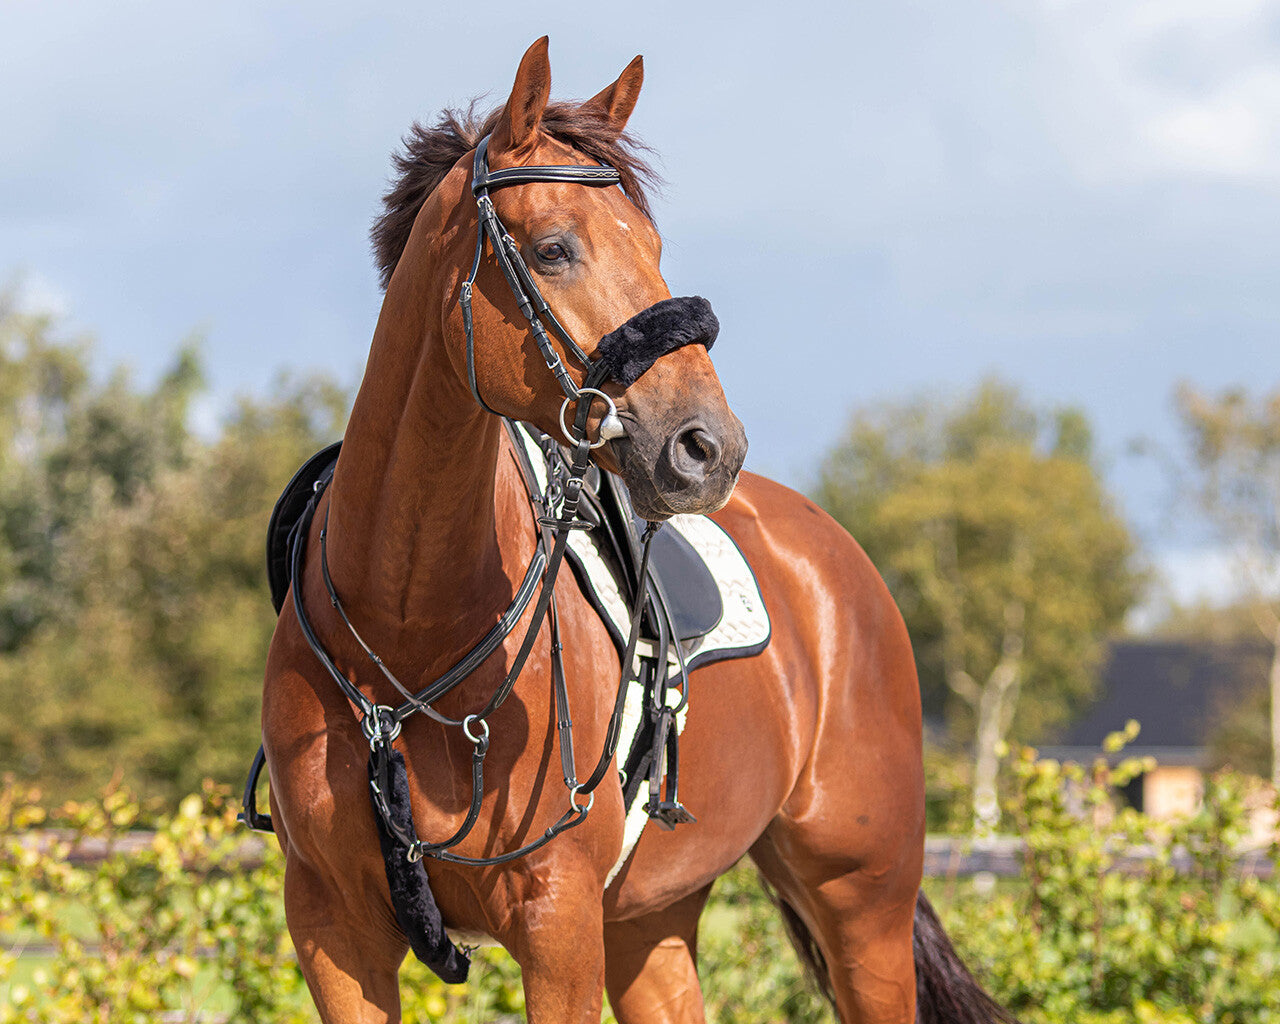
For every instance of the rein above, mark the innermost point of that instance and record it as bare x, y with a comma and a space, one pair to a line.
623, 354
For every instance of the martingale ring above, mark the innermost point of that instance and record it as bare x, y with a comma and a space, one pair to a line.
611, 411
573, 800
466, 729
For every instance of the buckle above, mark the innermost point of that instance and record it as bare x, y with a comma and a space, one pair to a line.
551, 522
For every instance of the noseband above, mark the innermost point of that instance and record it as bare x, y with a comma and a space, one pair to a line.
623, 354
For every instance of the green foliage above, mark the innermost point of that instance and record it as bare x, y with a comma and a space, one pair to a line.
1234, 480
134, 616
948, 787
1204, 620
181, 925
748, 970
1099, 938
189, 924
492, 991
1235, 448
69, 449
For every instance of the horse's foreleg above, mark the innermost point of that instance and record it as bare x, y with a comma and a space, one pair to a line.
651, 965
559, 944
350, 956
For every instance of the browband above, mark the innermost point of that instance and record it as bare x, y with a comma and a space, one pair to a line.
580, 175
484, 180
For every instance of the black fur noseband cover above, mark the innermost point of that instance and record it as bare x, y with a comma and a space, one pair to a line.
664, 327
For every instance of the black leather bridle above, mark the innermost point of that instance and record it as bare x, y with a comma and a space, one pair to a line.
527, 295
612, 359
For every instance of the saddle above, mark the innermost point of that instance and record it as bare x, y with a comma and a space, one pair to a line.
288, 513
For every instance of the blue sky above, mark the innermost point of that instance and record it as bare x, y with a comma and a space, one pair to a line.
879, 199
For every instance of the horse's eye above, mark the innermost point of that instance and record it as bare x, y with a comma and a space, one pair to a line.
552, 252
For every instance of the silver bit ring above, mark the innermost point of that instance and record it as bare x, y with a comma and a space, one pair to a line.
466, 728
612, 410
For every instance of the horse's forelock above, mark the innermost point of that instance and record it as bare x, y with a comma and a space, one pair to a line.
429, 153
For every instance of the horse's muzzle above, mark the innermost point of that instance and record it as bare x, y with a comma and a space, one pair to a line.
691, 469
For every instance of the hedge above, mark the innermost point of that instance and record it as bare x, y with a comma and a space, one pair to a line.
186, 923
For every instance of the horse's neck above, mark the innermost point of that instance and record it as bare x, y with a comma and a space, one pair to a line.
414, 535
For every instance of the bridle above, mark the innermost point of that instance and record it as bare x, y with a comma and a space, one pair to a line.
609, 360
556, 511
527, 295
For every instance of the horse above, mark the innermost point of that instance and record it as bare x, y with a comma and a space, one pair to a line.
805, 757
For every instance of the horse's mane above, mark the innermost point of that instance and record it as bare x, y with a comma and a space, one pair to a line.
430, 153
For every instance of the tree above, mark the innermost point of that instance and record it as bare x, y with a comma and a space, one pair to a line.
1234, 480
134, 615
991, 527
70, 448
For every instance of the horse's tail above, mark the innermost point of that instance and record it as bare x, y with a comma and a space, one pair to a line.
806, 947
946, 992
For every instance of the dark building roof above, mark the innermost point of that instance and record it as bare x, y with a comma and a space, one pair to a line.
1177, 690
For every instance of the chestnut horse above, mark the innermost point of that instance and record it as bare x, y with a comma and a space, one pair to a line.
805, 757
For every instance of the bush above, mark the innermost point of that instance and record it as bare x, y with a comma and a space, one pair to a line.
187, 923
180, 926
1095, 935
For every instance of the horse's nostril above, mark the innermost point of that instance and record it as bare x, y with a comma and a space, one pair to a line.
694, 454
699, 446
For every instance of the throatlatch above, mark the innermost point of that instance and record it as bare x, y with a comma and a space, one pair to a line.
622, 355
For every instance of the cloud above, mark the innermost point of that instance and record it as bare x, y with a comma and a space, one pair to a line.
1230, 133
1077, 194
35, 294
1156, 88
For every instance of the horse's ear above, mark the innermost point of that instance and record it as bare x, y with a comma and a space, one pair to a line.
517, 127
616, 102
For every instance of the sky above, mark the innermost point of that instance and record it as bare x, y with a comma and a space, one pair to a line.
881, 199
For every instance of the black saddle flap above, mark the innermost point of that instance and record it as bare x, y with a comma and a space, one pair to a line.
284, 517
690, 590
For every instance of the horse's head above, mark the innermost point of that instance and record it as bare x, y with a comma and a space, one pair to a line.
593, 254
